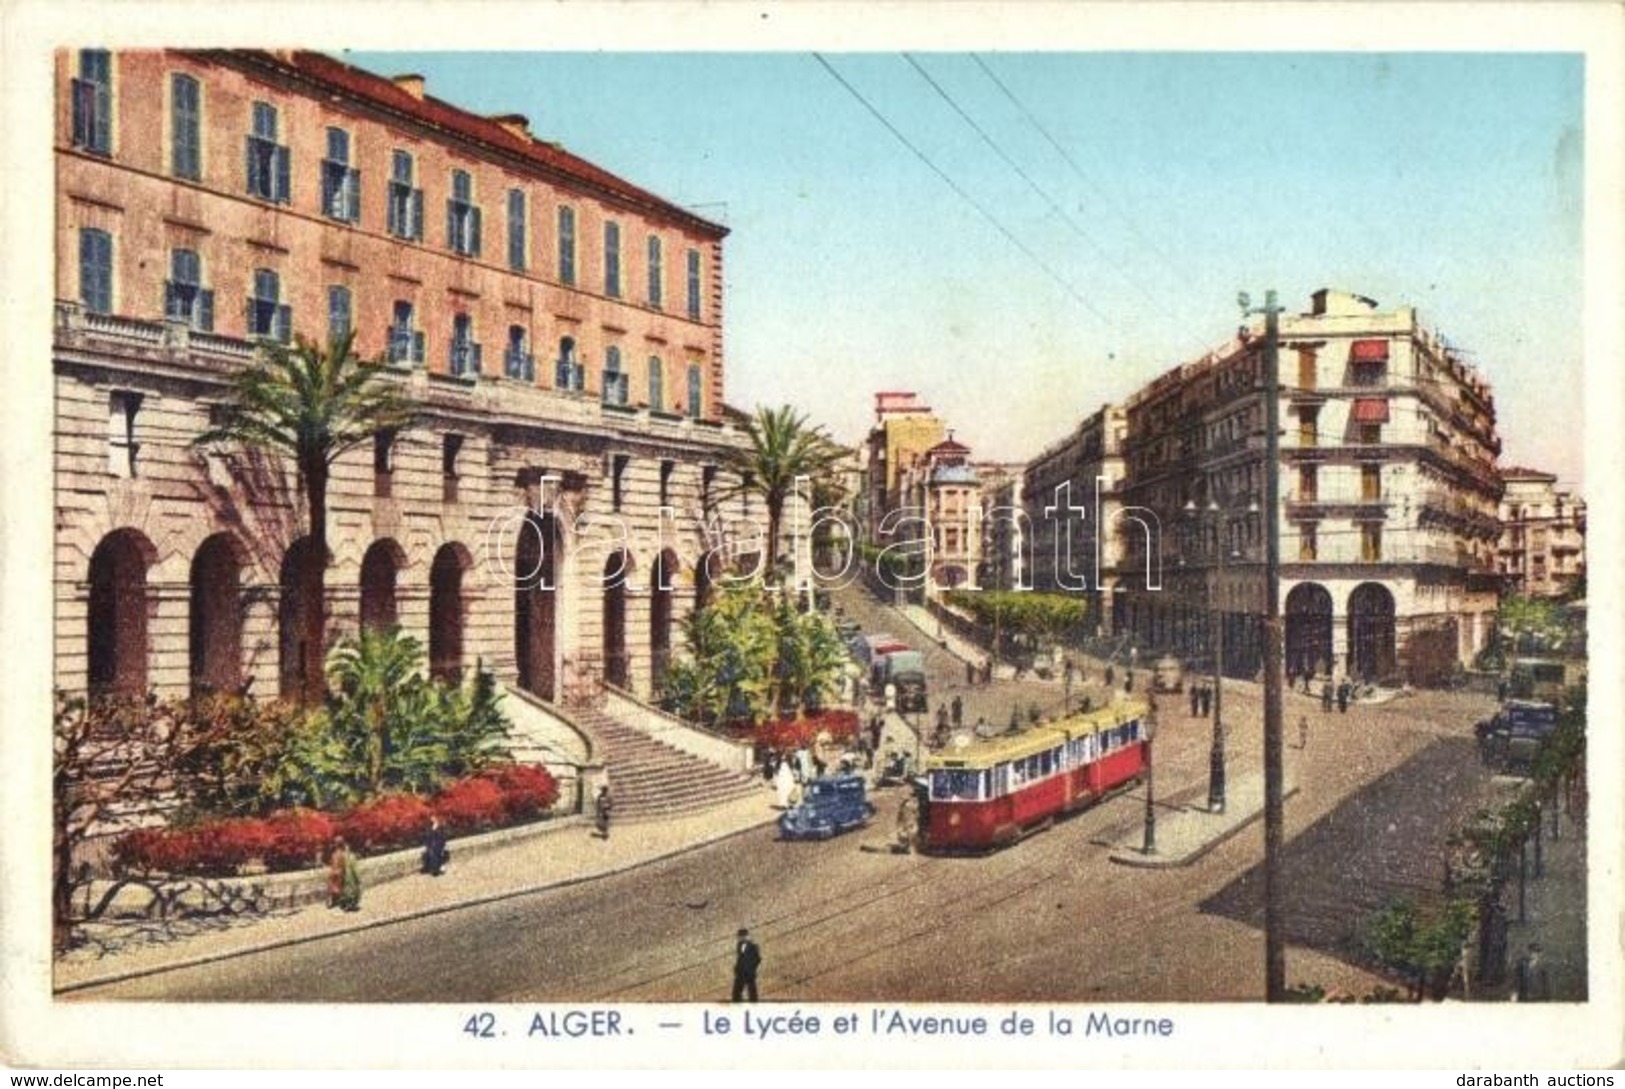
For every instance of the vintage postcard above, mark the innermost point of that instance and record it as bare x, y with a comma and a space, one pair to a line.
671, 535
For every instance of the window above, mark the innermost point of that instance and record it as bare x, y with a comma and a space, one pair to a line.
405, 342
655, 277
1370, 483
657, 384
450, 448
568, 372
405, 202
338, 313
185, 127
1308, 426
516, 230
267, 160
1308, 483
465, 354
185, 299
96, 270
567, 246
694, 390
666, 470
1306, 368
612, 260
1308, 542
1368, 434
92, 96
341, 182
121, 445
618, 480
462, 217
383, 464
267, 316
1371, 543
615, 385
694, 285
517, 362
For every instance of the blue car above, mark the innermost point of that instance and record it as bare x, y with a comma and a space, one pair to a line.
830, 806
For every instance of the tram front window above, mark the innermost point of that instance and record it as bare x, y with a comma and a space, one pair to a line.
959, 786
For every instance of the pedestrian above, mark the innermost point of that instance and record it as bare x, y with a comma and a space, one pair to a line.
770, 764
987, 671
942, 719
747, 959
435, 852
819, 766
1303, 731
958, 709
970, 674
1128, 681
891, 696
784, 783
877, 726
1533, 983
1196, 699
1207, 699
1501, 692
1343, 697
1111, 676
1326, 695
601, 806
908, 823
343, 877
982, 729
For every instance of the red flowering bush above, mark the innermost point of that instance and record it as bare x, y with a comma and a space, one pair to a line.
299, 838
793, 733
470, 804
153, 850
223, 846
395, 820
528, 790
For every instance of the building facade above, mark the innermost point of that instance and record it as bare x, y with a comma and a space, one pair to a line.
904, 429
1542, 546
1388, 493
550, 514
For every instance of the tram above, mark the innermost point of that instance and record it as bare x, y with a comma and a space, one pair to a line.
980, 794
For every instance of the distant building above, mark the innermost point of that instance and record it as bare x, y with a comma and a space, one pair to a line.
1389, 493
1542, 547
944, 486
904, 429
1006, 535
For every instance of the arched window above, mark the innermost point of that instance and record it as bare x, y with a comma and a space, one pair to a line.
615, 384
657, 384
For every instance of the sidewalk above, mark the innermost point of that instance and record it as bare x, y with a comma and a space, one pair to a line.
1186, 830
567, 853
1554, 915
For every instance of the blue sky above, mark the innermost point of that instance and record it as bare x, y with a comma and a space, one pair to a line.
1156, 186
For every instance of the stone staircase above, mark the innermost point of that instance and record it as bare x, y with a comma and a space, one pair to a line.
649, 779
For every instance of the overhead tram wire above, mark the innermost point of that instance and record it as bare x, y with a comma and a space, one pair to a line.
1063, 283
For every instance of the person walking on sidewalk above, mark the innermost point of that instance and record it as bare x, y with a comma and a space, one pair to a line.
343, 877
942, 719
1343, 692
1303, 731
435, 851
1326, 696
970, 674
1196, 700
958, 711
601, 807
747, 959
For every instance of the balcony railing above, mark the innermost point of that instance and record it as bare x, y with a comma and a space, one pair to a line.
520, 365
569, 375
465, 359
617, 389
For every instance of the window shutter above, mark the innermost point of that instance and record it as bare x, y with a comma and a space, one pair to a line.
205, 311
250, 313
474, 245
83, 96
415, 230
251, 168
392, 211
451, 224
352, 203
283, 188
474, 357
417, 347
172, 302
284, 323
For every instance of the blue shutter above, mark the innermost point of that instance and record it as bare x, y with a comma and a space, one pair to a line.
451, 224
283, 327
474, 247
251, 168
205, 311
83, 97
417, 347
415, 229
172, 307
352, 195
250, 318
283, 188
474, 357
394, 209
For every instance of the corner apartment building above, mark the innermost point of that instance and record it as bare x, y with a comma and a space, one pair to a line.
1071, 494
904, 429
1542, 546
568, 357
1388, 498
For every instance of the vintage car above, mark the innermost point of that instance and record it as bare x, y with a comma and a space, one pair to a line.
829, 806
1511, 739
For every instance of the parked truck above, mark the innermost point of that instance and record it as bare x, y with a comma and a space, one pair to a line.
906, 670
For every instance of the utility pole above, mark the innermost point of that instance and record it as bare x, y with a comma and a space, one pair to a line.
1274, 651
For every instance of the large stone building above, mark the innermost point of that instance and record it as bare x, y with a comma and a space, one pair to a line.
1542, 547
904, 429
1388, 498
569, 362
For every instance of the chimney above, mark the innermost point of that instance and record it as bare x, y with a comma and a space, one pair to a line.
516, 123
411, 83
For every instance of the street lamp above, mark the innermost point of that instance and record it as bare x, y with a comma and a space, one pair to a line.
1216, 772
1149, 846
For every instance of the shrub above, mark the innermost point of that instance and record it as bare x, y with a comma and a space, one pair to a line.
226, 845
395, 820
299, 837
841, 726
470, 805
528, 790
152, 850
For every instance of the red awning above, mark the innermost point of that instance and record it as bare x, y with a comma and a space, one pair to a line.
1371, 410
1369, 351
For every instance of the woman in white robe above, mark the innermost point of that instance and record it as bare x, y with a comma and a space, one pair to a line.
784, 781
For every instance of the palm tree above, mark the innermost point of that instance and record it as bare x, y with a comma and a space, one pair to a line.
782, 448
311, 406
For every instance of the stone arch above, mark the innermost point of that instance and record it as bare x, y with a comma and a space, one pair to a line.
448, 611
662, 583
215, 619
293, 610
116, 624
538, 570
617, 656
1371, 632
380, 576
1308, 629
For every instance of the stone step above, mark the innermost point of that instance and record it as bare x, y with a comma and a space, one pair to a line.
651, 779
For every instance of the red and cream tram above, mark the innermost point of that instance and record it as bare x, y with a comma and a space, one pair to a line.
987, 793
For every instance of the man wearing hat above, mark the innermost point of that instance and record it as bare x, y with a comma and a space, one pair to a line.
747, 958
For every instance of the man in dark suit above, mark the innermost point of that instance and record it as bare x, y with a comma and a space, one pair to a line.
747, 958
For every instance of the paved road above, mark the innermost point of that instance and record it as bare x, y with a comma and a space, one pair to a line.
1049, 919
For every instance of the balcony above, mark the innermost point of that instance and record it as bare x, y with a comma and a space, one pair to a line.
465, 359
569, 376
617, 389
519, 365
